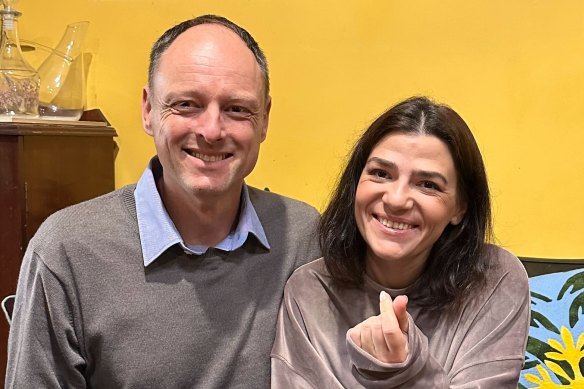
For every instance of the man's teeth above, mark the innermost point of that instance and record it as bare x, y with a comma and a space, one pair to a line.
209, 158
394, 225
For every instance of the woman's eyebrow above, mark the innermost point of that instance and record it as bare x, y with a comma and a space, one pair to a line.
382, 162
431, 174
420, 173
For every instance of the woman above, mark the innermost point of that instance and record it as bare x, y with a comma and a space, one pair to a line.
407, 294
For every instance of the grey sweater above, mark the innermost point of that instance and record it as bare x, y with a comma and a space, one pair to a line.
89, 314
482, 346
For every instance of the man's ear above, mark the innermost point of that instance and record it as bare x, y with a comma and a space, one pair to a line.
146, 110
266, 119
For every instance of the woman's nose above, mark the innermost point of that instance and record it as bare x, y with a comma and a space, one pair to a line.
398, 196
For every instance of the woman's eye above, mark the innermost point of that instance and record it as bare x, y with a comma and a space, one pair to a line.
378, 173
429, 185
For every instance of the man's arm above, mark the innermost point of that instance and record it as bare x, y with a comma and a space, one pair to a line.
43, 347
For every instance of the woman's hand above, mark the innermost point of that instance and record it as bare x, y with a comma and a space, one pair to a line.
385, 336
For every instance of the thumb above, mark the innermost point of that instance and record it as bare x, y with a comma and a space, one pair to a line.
388, 317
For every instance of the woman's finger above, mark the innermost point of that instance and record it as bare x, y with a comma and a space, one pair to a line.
394, 337
355, 334
382, 351
366, 339
399, 307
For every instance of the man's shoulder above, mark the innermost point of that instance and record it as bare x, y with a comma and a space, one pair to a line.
290, 225
90, 215
266, 202
118, 198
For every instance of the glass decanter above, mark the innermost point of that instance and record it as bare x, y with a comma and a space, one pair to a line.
19, 81
62, 91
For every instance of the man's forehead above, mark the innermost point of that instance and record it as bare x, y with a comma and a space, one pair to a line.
211, 36
212, 46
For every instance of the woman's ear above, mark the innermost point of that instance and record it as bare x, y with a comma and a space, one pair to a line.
459, 215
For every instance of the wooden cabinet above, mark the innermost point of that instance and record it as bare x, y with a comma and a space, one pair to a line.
46, 166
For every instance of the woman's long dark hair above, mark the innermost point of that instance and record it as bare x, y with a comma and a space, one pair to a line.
457, 261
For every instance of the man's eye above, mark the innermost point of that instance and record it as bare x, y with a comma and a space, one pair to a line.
237, 110
183, 106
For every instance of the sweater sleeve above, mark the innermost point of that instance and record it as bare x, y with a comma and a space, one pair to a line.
295, 361
492, 350
419, 370
285, 376
487, 350
43, 349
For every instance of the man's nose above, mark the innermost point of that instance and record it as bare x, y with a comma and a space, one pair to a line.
210, 125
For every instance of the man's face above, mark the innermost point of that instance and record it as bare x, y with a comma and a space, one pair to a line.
207, 112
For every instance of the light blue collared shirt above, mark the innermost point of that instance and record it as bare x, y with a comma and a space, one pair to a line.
158, 232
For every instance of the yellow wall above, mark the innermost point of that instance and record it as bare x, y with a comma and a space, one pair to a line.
513, 69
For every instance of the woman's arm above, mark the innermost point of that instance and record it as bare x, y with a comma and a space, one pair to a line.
486, 350
295, 361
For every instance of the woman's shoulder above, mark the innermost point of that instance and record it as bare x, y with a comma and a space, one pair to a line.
308, 272
504, 260
309, 279
505, 268
504, 289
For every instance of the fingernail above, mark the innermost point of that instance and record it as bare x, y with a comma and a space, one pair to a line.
383, 295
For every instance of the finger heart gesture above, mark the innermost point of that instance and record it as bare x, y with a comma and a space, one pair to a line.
385, 336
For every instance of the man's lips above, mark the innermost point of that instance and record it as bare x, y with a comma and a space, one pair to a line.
208, 157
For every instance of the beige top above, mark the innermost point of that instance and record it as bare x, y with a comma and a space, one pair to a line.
482, 346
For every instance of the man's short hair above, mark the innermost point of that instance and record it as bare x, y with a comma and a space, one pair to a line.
171, 34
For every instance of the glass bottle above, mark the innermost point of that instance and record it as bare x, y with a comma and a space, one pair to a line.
19, 81
62, 73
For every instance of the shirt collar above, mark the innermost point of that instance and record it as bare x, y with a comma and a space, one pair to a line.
158, 232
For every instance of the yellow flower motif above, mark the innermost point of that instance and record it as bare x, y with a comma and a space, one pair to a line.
571, 353
545, 382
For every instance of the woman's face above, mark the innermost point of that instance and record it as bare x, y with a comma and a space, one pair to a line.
405, 197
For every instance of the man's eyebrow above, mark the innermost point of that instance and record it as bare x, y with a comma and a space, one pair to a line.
244, 98
420, 173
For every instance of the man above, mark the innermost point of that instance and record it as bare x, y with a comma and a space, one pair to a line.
174, 282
